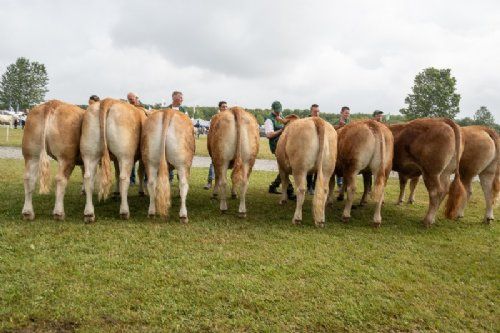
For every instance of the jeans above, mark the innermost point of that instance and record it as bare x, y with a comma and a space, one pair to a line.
171, 175
339, 181
211, 173
311, 181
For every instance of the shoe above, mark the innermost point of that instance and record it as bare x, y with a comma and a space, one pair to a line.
273, 190
292, 197
310, 191
208, 186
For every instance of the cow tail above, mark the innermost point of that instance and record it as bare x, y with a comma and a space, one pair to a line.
162, 199
495, 190
321, 187
456, 193
238, 175
44, 162
105, 176
380, 177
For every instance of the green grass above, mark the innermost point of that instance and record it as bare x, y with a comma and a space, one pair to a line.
220, 273
16, 137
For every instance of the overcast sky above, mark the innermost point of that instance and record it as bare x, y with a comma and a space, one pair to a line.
364, 54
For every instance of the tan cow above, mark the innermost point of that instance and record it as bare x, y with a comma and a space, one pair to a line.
233, 142
364, 147
52, 129
111, 129
307, 145
432, 147
168, 136
481, 157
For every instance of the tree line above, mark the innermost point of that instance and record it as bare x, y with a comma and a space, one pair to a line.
24, 84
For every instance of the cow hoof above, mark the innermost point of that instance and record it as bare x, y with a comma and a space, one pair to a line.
184, 219
346, 219
283, 202
376, 225
89, 218
427, 224
242, 215
124, 216
234, 196
296, 222
223, 211
320, 224
411, 202
142, 194
399, 203
59, 216
151, 215
488, 220
30, 216
82, 192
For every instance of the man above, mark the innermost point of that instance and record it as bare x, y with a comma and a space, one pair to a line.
211, 171
344, 119
177, 99
93, 99
378, 116
311, 179
273, 131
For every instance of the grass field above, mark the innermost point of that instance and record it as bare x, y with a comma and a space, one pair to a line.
221, 273
16, 136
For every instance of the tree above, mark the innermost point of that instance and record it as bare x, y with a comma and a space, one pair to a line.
24, 84
433, 95
483, 116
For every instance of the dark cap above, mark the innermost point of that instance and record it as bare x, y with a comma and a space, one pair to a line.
377, 112
95, 98
276, 106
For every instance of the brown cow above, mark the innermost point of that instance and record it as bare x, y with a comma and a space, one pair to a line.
168, 136
110, 127
233, 142
481, 157
432, 147
364, 147
52, 128
307, 145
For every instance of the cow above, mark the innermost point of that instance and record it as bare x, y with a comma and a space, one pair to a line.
481, 157
365, 147
432, 147
52, 129
111, 129
233, 142
307, 145
167, 141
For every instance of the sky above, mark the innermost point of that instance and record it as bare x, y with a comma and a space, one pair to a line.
364, 54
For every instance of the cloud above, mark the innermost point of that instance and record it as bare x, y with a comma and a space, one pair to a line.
363, 54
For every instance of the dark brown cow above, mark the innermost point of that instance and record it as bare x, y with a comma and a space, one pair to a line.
432, 147
364, 147
481, 157
52, 129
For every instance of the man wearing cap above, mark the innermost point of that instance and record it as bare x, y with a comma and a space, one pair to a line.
93, 99
273, 129
378, 116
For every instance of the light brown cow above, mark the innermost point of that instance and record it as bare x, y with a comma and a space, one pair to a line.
52, 129
481, 157
364, 147
432, 147
307, 145
168, 136
233, 142
110, 127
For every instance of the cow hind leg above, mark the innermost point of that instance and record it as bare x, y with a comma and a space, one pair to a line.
402, 187
242, 210
300, 184
284, 186
413, 186
88, 183
434, 189
117, 178
126, 165
152, 178
183, 175
350, 186
467, 181
487, 179
63, 174
140, 174
221, 176
82, 191
30, 176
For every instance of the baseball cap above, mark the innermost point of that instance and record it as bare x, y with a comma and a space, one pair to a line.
276, 106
